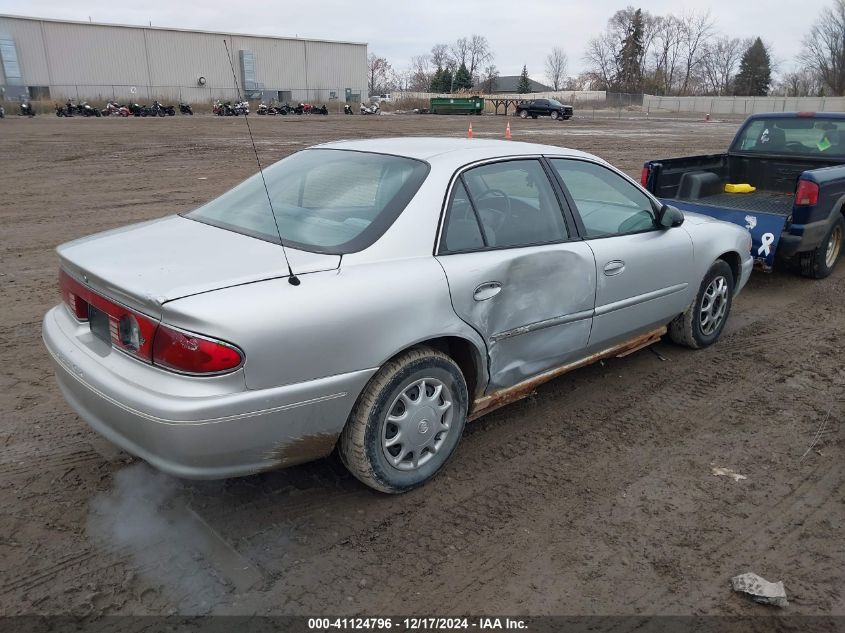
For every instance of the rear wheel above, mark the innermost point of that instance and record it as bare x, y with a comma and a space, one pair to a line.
820, 262
523, 114
703, 321
407, 421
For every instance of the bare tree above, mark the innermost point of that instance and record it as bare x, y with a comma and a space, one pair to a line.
489, 76
695, 29
600, 56
719, 59
421, 73
479, 54
824, 48
378, 74
803, 82
440, 55
459, 52
667, 53
556, 67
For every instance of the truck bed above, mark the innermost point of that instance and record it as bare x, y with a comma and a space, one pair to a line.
756, 202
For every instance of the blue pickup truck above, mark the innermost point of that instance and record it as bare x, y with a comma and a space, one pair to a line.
795, 161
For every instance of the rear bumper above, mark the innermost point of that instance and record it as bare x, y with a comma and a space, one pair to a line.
800, 238
185, 428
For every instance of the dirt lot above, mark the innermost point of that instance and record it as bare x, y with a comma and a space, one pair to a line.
596, 496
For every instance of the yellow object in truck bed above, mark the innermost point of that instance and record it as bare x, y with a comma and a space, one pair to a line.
743, 188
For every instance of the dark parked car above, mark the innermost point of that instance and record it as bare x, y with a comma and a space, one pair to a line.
544, 107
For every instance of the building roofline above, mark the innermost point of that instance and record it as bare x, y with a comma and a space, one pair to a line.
177, 29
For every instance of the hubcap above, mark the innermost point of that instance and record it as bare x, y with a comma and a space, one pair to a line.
417, 424
834, 245
714, 304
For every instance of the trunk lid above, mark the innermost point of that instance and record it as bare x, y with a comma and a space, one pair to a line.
145, 265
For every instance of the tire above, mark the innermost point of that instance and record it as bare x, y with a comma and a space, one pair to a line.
555, 114
690, 328
363, 441
820, 262
523, 114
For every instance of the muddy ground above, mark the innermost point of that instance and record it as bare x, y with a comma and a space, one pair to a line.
596, 496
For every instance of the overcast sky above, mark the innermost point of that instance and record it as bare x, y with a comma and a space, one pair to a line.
520, 32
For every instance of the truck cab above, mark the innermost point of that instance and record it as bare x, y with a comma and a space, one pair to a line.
782, 178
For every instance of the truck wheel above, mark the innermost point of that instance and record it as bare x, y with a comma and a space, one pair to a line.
702, 322
523, 114
819, 262
407, 421
554, 115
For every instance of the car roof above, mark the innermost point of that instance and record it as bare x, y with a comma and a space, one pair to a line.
798, 115
453, 150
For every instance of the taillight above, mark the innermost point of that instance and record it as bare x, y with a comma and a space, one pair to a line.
72, 299
807, 193
644, 176
194, 354
145, 338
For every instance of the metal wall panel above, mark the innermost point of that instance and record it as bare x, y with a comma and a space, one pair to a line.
96, 61
30, 46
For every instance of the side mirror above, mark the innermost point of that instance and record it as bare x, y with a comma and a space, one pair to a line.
668, 217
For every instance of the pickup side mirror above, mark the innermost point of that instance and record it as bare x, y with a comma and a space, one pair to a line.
668, 217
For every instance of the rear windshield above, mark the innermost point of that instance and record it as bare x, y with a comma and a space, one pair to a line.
327, 201
800, 136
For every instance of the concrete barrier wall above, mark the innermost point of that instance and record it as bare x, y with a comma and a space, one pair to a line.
566, 96
743, 105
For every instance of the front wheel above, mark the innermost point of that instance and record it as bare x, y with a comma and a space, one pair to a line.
820, 262
407, 421
703, 321
554, 115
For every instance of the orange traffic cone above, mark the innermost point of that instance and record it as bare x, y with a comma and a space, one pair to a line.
508, 131
469, 131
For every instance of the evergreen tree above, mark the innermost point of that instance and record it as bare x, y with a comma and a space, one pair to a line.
463, 80
437, 80
755, 71
524, 85
442, 80
630, 55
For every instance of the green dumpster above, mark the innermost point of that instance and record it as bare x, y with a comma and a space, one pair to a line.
457, 105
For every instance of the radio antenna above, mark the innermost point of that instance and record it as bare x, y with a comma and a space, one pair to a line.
292, 279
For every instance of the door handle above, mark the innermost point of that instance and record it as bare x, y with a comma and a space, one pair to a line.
487, 290
614, 268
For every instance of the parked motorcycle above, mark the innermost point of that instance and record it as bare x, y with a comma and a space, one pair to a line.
113, 108
223, 109
347, 109
263, 109
64, 110
373, 109
185, 108
158, 109
241, 107
320, 110
2, 112
86, 110
26, 109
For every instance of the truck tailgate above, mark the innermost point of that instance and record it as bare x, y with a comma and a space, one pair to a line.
765, 226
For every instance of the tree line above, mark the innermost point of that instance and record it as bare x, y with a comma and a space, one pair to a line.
641, 52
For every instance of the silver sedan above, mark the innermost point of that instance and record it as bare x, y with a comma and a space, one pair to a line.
374, 296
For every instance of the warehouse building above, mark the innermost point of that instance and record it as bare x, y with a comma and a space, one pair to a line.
44, 59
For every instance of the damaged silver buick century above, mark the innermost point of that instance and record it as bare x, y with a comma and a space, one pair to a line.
373, 296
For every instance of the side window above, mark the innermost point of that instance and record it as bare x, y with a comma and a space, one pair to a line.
461, 232
607, 203
515, 203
